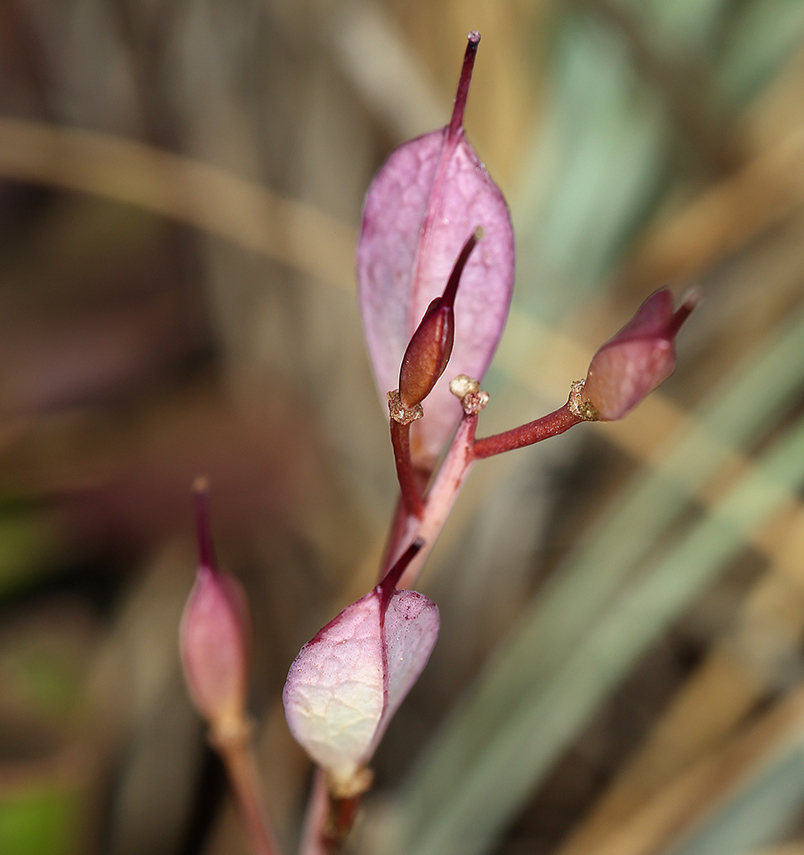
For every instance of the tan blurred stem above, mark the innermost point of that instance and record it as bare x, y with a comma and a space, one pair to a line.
236, 749
766, 191
312, 841
182, 189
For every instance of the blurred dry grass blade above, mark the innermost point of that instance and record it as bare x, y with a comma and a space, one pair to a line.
763, 193
692, 796
756, 657
183, 189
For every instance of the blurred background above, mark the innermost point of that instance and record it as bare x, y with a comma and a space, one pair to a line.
620, 666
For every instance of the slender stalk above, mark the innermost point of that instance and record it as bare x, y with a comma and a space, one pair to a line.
315, 819
400, 439
328, 820
552, 424
203, 526
341, 818
439, 500
236, 750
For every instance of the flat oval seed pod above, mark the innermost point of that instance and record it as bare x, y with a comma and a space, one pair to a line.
425, 202
349, 680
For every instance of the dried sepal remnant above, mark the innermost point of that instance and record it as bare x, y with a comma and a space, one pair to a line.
637, 360
400, 413
347, 682
431, 194
467, 390
578, 405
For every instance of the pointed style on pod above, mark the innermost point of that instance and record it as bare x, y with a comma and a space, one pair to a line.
430, 195
633, 363
215, 635
347, 682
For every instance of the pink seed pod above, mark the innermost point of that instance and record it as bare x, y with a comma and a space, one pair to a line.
637, 360
429, 197
215, 637
347, 682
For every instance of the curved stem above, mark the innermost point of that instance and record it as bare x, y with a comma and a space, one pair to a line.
463, 453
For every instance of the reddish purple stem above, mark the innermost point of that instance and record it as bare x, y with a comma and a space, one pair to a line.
400, 439
550, 425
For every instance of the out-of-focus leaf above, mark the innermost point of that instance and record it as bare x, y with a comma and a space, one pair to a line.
596, 169
26, 542
763, 34
41, 820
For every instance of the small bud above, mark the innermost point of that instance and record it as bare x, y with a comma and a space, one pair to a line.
430, 347
348, 681
633, 363
214, 637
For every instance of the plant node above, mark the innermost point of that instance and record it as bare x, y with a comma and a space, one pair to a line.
400, 413
358, 784
578, 405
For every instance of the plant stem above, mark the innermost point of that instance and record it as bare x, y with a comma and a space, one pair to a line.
400, 439
440, 498
328, 820
552, 424
315, 819
342, 815
236, 750
439, 501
